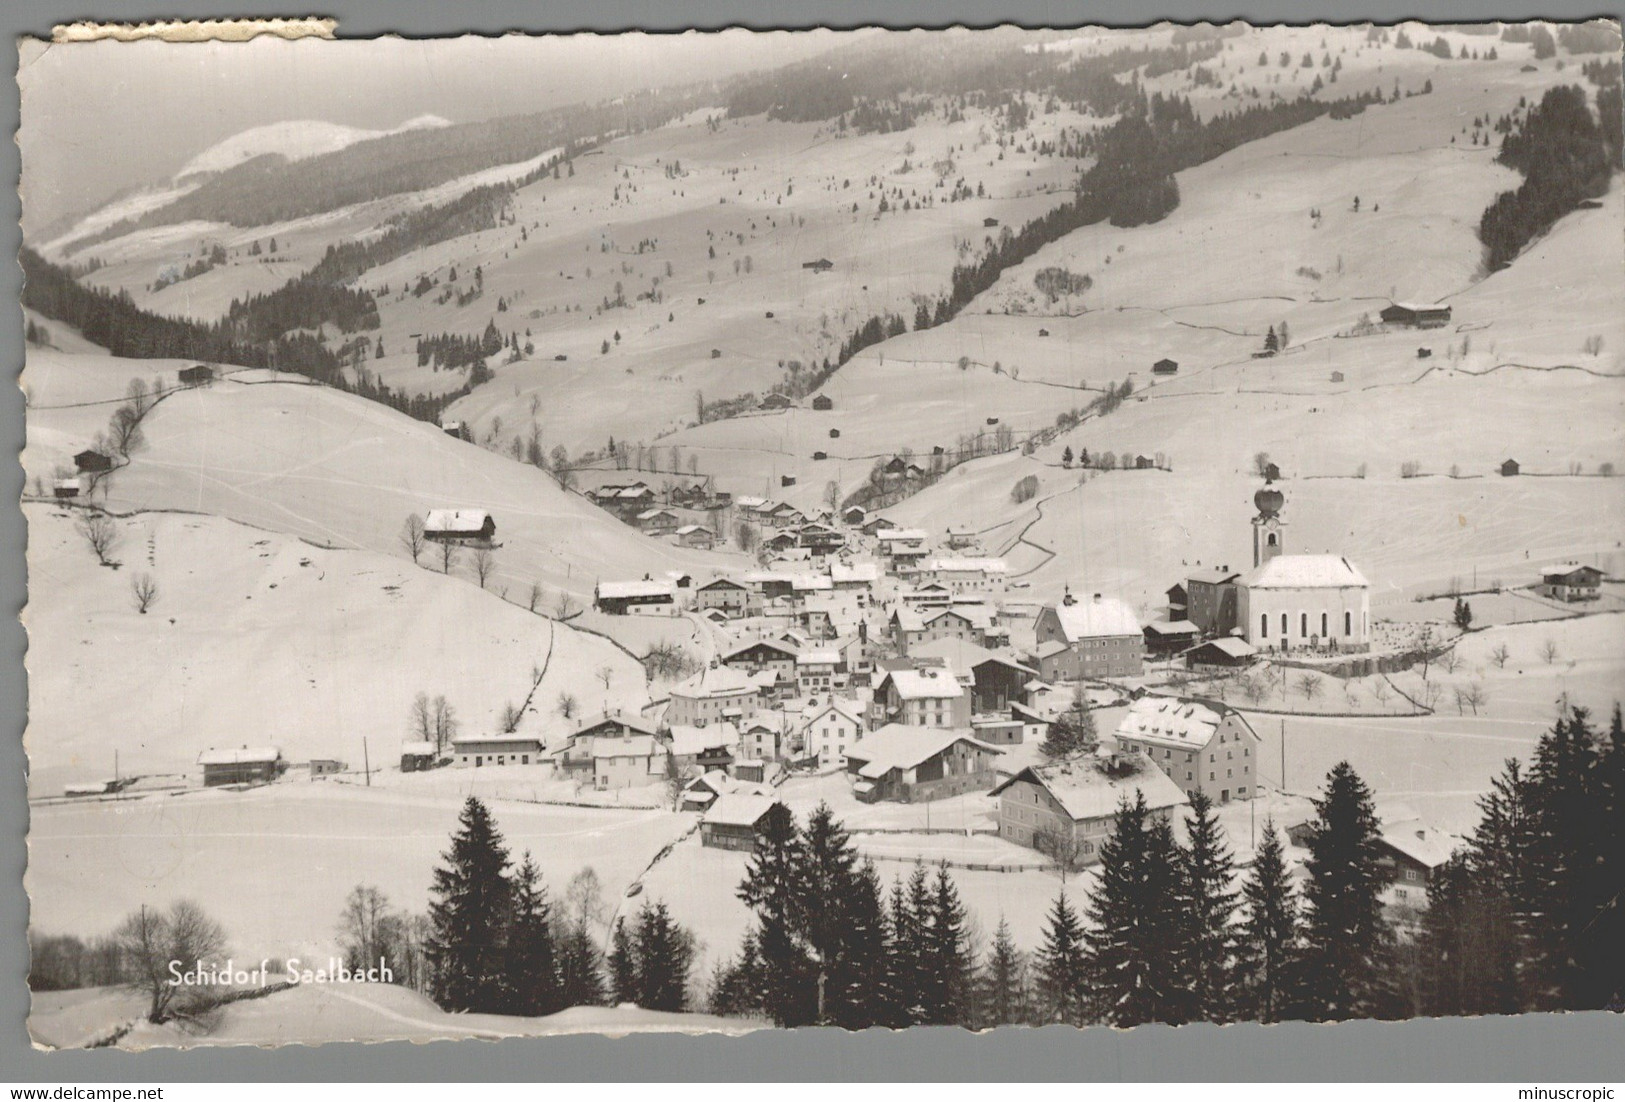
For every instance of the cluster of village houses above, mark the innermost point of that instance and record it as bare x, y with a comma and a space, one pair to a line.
859, 648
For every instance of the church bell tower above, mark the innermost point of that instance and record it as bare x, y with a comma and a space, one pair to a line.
1268, 537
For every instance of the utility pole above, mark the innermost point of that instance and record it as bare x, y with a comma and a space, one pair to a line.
1283, 755
366, 762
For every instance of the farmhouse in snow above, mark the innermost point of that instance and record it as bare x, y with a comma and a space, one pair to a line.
1570, 581
735, 820
200, 375
917, 764
644, 598
1418, 315
93, 462
246, 765
478, 750
1165, 367
1069, 808
469, 527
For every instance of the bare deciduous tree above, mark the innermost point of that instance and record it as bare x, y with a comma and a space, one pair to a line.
422, 722
1060, 846
145, 591
101, 533
511, 715
1500, 655
1548, 651
1474, 697
445, 724
1450, 661
567, 705
605, 673
448, 556
1431, 692
535, 596
564, 606
150, 940
483, 564
1309, 686
412, 537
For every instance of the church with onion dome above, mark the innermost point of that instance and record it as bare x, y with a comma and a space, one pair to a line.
1299, 602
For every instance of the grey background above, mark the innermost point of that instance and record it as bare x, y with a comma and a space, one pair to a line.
1530, 1049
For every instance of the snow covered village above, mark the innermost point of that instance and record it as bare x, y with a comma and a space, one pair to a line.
969, 528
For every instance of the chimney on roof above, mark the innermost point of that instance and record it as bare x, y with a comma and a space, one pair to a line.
1097, 598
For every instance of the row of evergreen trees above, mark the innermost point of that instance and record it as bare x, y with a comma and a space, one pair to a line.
496, 945
115, 322
1529, 915
1565, 156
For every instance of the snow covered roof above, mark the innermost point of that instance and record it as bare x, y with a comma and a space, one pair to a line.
1053, 647
686, 739
634, 589
727, 583
1305, 572
496, 740
1173, 627
746, 502
849, 710
455, 520
841, 573
1095, 617
1426, 845
963, 565
930, 683
804, 583
650, 514
1561, 569
715, 681
1422, 307
1173, 722
1233, 646
785, 648
634, 746
1213, 575
599, 719
690, 529
824, 656
976, 615
962, 654
738, 809
889, 535
247, 755
1087, 793
420, 748
899, 746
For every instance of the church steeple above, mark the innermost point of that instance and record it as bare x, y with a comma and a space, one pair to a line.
1268, 537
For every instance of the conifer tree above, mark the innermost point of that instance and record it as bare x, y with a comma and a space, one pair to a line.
827, 872
861, 996
1209, 945
664, 952
1347, 961
1002, 986
1062, 966
772, 889
1569, 968
945, 968
905, 960
531, 972
623, 965
469, 915
1133, 945
1269, 932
